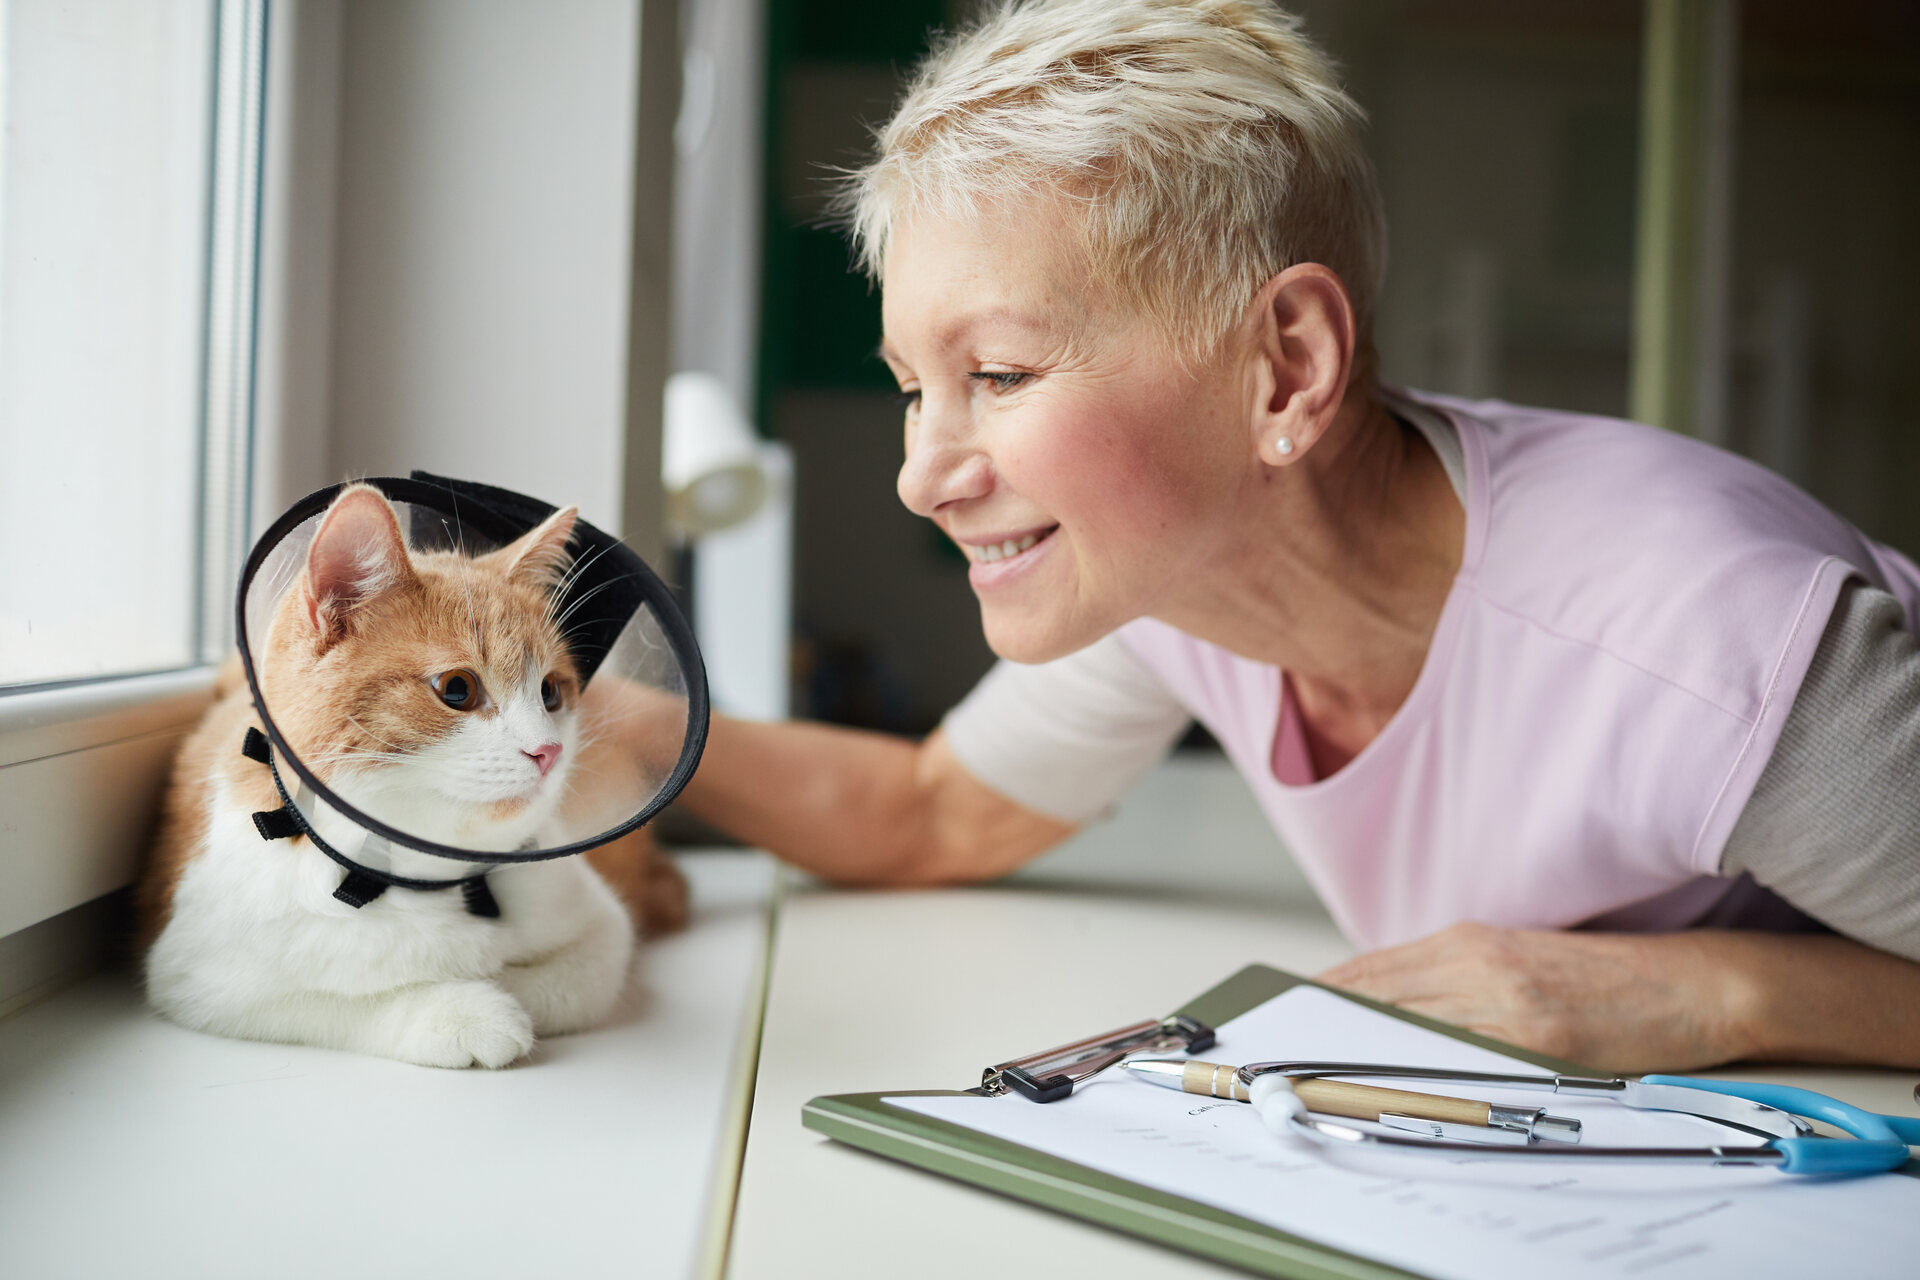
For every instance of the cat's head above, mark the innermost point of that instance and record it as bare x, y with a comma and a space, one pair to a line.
433, 690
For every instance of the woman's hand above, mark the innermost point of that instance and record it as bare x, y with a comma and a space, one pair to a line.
1653, 1002
1618, 1002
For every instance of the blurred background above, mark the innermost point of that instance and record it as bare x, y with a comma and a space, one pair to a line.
252, 247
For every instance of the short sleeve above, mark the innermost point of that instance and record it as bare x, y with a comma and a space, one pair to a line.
1066, 738
1833, 825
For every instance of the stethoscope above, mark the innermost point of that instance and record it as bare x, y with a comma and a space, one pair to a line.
1774, 1112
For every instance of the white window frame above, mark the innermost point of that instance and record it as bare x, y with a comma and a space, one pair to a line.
83, 763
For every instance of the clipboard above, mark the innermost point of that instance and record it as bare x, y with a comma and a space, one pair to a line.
866, 1121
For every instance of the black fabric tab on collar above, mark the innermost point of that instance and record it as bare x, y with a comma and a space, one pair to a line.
358, 889
480, 899
254, 747
278, 824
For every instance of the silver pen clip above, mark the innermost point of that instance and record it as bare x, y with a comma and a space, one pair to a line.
1446, 1130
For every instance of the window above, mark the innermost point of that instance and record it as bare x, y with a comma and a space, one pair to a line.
128, 202
126, 207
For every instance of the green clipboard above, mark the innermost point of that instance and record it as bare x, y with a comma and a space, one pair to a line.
866, 1121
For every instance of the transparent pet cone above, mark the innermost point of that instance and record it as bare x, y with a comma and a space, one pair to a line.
451, 677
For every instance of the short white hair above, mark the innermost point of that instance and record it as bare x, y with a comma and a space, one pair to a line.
1205, 145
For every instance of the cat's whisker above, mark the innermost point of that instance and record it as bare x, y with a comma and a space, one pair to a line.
567, 580
582, 565
371, 734
587, 742
571, 608
352, 757
337, 757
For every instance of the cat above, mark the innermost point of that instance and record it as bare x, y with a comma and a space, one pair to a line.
433, 690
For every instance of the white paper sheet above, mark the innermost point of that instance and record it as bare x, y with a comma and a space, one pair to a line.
1473, 1219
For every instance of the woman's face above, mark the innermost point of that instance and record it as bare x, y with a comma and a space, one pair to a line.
1088, 475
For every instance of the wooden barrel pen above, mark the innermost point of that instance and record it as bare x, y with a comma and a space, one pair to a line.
1361, 1101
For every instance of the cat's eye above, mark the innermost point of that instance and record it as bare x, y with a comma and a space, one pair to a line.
550, 693
459, 689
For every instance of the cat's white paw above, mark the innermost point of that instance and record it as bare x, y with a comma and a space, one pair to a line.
468, 1024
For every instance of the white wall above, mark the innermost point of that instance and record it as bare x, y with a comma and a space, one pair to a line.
483, 245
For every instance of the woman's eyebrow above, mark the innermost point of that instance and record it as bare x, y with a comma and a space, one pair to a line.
958, 328
953, 331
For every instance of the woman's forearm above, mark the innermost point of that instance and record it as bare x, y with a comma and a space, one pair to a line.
849, 805
1656, 1002
860, 807
1824, 998
837, 802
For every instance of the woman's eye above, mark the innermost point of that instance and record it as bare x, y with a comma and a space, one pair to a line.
998, 380
909, 399
550, 694
459, 689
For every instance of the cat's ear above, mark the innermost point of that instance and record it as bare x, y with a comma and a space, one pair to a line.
539, 557
357, 556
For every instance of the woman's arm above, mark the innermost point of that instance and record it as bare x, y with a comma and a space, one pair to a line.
862, 808
1674, 1002
1833, 824
1069, 736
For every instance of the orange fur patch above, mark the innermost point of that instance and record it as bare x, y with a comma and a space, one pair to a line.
650, 884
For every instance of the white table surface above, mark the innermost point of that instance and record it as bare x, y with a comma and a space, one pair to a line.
132, 1147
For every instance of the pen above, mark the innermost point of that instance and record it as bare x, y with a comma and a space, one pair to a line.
1431, 1114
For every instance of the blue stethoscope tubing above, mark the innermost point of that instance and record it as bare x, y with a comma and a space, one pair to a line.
1879, 1142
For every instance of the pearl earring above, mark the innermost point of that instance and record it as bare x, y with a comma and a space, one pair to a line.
1284, 444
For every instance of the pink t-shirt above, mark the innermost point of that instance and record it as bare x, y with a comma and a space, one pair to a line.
1632, 618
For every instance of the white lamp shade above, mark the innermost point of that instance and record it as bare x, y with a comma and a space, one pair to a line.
710, 460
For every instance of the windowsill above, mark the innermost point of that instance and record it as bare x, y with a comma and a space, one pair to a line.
129, 1145
49, 720
82, 769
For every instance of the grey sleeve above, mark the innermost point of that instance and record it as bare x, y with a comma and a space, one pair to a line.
1833, 825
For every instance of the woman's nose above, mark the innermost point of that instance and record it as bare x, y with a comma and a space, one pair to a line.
943, 464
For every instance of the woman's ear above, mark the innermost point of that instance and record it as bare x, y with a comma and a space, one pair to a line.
1303, 342
357, 555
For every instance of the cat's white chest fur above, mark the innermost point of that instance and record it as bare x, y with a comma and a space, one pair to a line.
256, 946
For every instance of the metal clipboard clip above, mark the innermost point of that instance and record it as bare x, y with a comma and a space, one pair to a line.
1051, 1075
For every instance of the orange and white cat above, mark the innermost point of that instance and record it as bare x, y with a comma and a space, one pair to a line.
433, 690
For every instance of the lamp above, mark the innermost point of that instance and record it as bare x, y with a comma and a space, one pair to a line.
710, 460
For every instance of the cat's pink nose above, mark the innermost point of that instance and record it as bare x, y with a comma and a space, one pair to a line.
544, 756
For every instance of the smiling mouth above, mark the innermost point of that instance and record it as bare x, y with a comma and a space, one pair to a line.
988, 552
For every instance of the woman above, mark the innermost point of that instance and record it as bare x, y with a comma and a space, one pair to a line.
1494, 673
